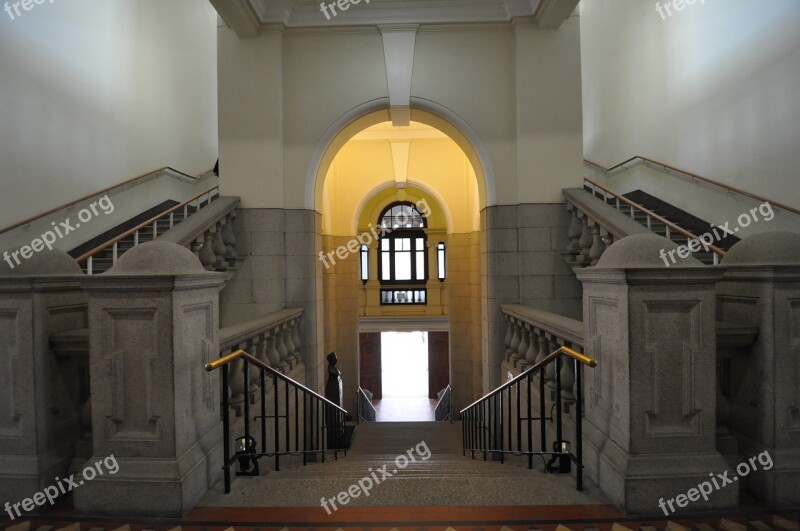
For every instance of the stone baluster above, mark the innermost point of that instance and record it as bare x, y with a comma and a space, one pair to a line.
296, 340
253, 373
515, 340
586, 241
533, 346
289, 344
524, 343
281, 347
272, 353
218, 245
261, 346
229, 239
597, 249
237, 384
541, 340
574, 234
550, 371
509, 336
207, 256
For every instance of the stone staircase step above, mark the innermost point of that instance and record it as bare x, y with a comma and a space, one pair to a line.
758, 525
704, 527
674, 526
71, 527
785, 523
24, 526
730, 525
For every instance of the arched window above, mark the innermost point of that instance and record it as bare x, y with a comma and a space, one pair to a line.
403, 245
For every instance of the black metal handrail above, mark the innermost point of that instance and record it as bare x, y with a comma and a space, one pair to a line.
487, 422
322, 428
444, 408
366, 411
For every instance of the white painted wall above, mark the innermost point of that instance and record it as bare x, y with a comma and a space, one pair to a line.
95, 92
518, 88
712, 89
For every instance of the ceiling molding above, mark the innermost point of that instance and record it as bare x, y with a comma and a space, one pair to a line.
308, 13
239, 16
551, 14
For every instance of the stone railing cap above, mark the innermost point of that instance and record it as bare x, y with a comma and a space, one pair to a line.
157, 258
768, 248
643, 251
55, 262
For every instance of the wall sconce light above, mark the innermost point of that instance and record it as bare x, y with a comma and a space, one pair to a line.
441, 254
364, 264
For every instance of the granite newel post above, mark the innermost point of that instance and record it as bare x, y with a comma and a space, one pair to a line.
651, 402
153, 325
42, 354
761, 288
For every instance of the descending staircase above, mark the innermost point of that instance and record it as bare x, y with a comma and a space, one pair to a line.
447, 492
104, 260
100, 254
679, 217
668, 219
446, 477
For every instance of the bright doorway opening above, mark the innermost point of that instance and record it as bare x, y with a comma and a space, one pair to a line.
404, 371
404, 360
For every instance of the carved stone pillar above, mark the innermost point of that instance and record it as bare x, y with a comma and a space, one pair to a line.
761, 288
651, 401
153, 325
41, 395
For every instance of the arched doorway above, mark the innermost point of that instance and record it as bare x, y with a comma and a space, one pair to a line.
367, 169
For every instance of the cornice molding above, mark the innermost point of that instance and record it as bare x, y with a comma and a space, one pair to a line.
307, 13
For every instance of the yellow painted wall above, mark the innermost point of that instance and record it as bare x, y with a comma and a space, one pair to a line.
364, 169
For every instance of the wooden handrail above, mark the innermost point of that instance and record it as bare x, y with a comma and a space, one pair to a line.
699, 178
140, 226
95, 194
550, 357
241, 354
716, 250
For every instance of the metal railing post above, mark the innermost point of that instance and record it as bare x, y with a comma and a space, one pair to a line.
226, 430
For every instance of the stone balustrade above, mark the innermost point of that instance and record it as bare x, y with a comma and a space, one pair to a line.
593, 228
532, 334
210, 235
274, 339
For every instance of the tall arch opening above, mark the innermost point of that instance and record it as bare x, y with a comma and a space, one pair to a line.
400, 250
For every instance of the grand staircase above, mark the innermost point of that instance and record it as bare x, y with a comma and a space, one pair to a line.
438, 489
424, 465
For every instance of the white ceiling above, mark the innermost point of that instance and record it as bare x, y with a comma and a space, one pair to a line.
246, 16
